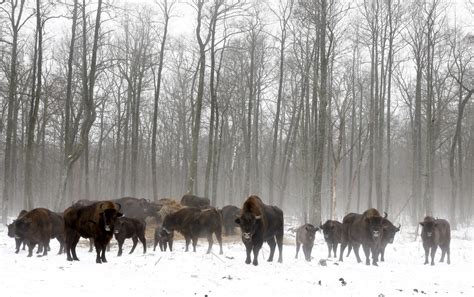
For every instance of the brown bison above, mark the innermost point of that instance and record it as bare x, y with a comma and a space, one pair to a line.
129, 228
332, 231
92, 221
35, 227
305, 237
194, 223
164, 239
11, 233
195, 201
229, 213
258, 223
365, 230
434, 233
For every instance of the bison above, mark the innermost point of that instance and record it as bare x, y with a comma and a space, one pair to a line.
388, 235
137, 208
229, 213
95, 221
434, 233
129, 228
332, 231
305, 237
365, 230
258, 223
194, 223
11, 233
195, 201
164, 239
35, 227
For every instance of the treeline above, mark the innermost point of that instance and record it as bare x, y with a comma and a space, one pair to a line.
321, 107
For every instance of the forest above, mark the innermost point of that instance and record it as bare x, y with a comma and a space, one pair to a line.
322, 107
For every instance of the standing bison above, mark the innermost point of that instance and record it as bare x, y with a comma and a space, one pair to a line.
258, 223
129, 228
194, 223
434, 233
35, 227
195, 201
305, 237
163, 239
229, 213
332, 231
95, 221
366, 230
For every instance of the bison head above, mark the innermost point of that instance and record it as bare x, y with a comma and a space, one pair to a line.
11, 229
389, 230
118, 226
375, 227
329, 230
310, 231
248, 224
21, 227
429, 225
108, 215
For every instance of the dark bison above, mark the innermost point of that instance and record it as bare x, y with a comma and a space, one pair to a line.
365, 230
258, 223
137, 208
129, 228
434, 233
229, 213
332, 231
92, 221
85, 202
163, 239
388, 235
195, 201
194, 223
11, 233
35, 227
305, 237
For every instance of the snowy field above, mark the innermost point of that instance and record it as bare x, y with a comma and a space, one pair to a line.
197, 274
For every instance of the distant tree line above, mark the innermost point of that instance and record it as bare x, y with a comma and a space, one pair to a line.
321, 107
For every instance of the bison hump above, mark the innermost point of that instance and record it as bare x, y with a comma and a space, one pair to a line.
254, 205
371, 213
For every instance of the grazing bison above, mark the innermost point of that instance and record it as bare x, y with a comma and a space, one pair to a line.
365, 230
388, 235
258, 223
229, 213
332, 231
11, 233
194, 223
305, 237
92, 221
129, 228
35, 227
164, 239
436, 232
195, 201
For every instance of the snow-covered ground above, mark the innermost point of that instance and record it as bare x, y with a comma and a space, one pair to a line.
197, 274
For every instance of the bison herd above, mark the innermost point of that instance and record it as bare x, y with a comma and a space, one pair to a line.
193, 217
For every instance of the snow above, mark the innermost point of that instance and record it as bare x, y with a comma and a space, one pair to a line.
179, 273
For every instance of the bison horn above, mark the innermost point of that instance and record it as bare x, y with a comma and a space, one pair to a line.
119, 206
386, 215
399, 226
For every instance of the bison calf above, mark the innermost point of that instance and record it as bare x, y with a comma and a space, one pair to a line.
129, 228
434, 233
305, 237
332, 231
164, 239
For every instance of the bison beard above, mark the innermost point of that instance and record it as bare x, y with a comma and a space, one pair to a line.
93, 221
258, 223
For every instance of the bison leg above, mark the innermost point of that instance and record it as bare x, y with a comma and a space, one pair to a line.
91, 245
334, 249
195, 241
248, 249
433, 253
188, 240
46, 246
256, 249
375, 255
307, 252
382, 253
120, 246
356, 248
329, 249
135, 242
31, 246
210, 240
18, 245
98, 250
427, 251
170, 243
163, 246
104, 248
271, 242
279, 239
448, 252
143, 241
341, 252
219, 239
298, 245
367, 254
155, 243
